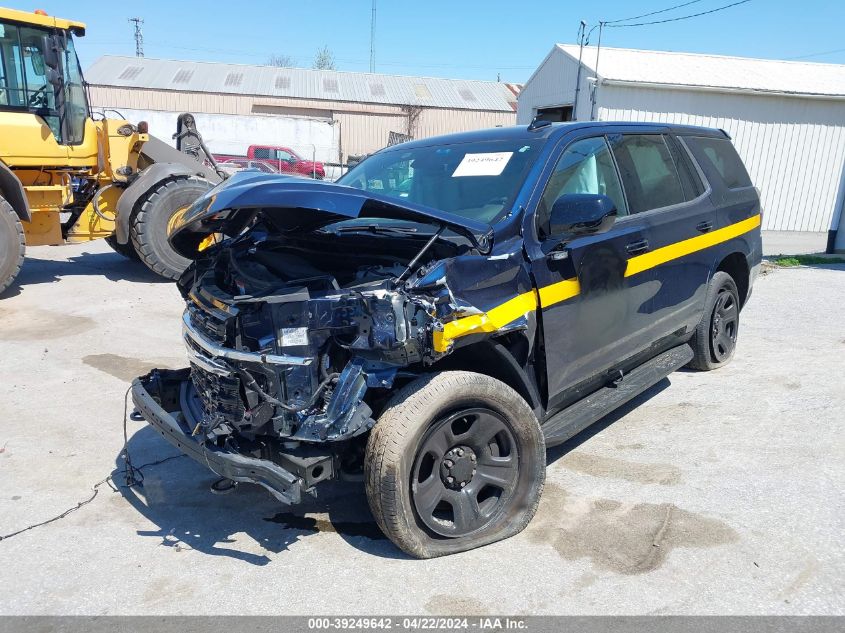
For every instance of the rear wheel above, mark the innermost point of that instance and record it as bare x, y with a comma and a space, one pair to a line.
715, 336
456, 461
153, 219
12, 245
127, 250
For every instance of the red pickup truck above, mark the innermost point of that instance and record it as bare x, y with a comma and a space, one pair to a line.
282, 158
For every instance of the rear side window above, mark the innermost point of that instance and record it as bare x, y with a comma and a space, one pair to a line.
648, 172
688, 174
721, 155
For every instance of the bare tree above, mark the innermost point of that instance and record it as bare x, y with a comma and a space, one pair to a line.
324, 59
280, 60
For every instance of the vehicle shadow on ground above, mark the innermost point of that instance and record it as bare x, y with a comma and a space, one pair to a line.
176, 497
112, 266
556, 452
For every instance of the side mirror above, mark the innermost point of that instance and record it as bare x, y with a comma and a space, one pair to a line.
577, 214
50, 52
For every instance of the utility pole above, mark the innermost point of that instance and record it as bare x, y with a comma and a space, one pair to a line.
373, 39
139, 36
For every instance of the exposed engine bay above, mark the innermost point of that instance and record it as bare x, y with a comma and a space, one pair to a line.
310, 338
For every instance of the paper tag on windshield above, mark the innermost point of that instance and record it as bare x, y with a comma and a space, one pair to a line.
490, 164
294, 336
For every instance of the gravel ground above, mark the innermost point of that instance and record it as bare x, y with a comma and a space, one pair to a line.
718, 493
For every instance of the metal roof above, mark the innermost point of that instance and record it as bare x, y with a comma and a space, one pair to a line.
301, 83
715, 72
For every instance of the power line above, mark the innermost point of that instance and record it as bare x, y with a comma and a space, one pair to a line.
160, 44
821, 54
646, 15
678, 19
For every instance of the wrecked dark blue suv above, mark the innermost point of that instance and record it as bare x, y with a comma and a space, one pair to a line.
451, 307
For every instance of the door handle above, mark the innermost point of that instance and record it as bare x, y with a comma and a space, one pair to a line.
637, 248
704, 227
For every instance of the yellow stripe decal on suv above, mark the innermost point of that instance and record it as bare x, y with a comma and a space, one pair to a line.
659, 256
506, 313
490, 321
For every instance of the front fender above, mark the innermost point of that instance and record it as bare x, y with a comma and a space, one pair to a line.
145, 182
12, 190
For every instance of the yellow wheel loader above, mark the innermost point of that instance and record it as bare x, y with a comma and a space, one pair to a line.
66, 177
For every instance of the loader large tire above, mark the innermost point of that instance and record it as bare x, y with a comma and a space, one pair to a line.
12, 245
149, 226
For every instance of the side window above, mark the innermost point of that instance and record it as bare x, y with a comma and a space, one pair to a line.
648, 172
283, 155
586, 166
721, 155
12, 82
76, 102
690, 180
262, 152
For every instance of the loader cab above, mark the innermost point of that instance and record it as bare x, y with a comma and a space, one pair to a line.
40, 75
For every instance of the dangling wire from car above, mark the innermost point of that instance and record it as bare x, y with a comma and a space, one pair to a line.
251, 383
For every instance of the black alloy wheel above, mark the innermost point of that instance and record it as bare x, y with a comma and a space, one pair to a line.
723, 329
714, 340
456, 460
465, 472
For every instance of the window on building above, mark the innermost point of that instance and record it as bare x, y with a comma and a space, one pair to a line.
556, 114
648, 172
586, 166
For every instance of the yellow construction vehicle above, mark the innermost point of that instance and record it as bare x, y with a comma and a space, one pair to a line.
66, 177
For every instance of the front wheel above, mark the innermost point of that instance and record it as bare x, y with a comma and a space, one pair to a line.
714, 341
12, 245
456, 461
154, 218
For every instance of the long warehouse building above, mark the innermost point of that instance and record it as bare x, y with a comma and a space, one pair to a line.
787, 120
330, 114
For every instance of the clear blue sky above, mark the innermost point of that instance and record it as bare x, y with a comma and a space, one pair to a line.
471, 39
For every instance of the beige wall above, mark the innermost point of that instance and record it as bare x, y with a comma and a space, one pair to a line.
364, 127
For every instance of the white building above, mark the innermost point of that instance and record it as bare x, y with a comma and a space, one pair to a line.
787, 120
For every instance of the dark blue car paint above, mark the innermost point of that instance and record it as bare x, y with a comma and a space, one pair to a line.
552, 353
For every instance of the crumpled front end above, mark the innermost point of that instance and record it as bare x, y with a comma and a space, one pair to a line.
297, 334
296, 366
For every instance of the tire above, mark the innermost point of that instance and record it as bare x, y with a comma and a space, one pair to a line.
430, 439
12, 245
127, 250
148, 227
714, 341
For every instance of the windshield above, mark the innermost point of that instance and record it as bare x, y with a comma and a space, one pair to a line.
474, 180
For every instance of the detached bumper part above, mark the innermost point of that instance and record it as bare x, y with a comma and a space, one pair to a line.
161, 391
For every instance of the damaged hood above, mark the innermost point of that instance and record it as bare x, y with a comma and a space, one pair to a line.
298, 204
